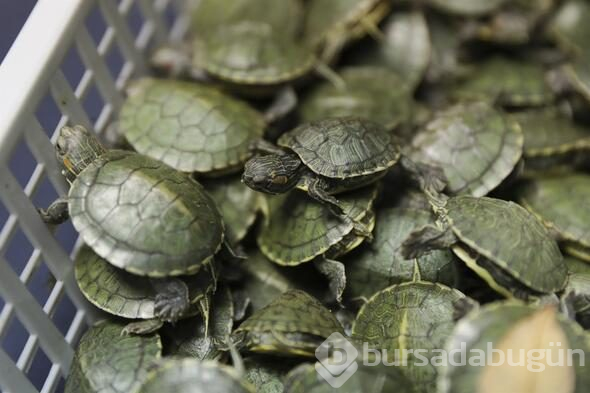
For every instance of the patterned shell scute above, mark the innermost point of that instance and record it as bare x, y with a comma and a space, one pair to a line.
143, 216
293, 312
511, 237
564, 204
343, 147
108, 362
191, 127
475, 145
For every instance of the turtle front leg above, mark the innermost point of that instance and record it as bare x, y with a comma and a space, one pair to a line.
263, 146
431, 179
336, 275
172, 299
427, 239
284, 102
141, 328
57, 213
316, 188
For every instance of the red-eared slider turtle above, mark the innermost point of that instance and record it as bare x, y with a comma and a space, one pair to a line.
134, 297
501, 241
467, 7
331, 24
107, 361
380, 264
416, 316
328, 156
294, 324
563, 204
507, 81
137, 213
193, 376
476, 145
551, 140
238, 205
189, 126
554, 350
370, 92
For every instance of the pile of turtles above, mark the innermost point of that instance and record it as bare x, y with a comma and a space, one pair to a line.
303, 177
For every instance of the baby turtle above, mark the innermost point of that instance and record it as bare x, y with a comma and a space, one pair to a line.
294, 324
370, 92
107, 361
511, 328
134, 297
413, 316
333, 155
380, 264
501, 241
193, 376
476, 145
137, 213
189, 126
562, 203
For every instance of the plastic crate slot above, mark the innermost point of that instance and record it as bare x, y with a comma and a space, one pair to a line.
14, 338
155, 19
133, 16
72, 66
18, 250
12, 380
93, 103
96, 24
39, 368
55, 381
67, 100
22, 163
40, 282
61, 309
47, 114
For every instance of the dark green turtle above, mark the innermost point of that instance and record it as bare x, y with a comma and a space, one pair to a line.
135, 297
501, 241
576, 297
333, 155
507, 81
137, 213
413, 316
331, 24
563, 204
516, 327
189, 126
239, 205
467, 7
380, 264
371, 92
293, 324
266, 374
194, 376
198, 338
298, 229
108, 362
475, 144
551, 139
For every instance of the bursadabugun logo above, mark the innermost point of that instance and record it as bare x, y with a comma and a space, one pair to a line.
336, 360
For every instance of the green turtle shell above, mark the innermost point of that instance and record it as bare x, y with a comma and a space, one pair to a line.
252, 53
298, 229
509, 82
295, 323
508, 238
488, 326
129, 296
476, 145
342, 148
379, 264
143, 216
237, 203
108, 362
563, 204
191, 127
410, 316
193, 376
370, 92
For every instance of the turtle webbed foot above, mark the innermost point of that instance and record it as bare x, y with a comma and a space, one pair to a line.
57, 213
431, 179
147, 326
172, 299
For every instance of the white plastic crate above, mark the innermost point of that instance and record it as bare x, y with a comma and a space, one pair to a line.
104, 42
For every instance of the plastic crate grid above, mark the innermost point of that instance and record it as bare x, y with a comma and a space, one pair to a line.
43, 314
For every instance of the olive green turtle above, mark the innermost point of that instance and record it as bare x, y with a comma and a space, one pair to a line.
371, 92
293, 324
475, 144
562, 204
108, 362
189, 126
137, 213
128, 296
416, 315
499, 240
513, 328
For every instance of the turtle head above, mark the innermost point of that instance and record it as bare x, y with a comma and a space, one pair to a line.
75, 148
273, 173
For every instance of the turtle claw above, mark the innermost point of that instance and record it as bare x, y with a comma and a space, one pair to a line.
172, 299
142, 327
